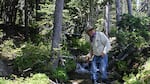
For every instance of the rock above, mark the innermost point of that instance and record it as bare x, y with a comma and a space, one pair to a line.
3, 69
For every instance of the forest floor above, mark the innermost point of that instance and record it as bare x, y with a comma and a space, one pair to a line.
76, 78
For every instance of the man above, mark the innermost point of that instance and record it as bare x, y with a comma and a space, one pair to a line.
100, 46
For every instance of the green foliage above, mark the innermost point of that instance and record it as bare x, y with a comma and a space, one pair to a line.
34, 57
9, 49
64, 51
78, 14
132, 23
35, 79
142, 77
81, 44
70, 65
84, 45
134, 30
60, 74
2, 81
43, 36
122, 65
45, 14
133, 34
38, 79
131, 79
132, 37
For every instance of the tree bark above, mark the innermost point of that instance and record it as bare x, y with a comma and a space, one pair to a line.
26, 13
37, 8
129, 3
118, 11
57, 30
26, 19
1, 7
107, 19
148, 13
91, 18
6, 12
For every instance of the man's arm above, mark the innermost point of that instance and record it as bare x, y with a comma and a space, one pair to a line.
90, 54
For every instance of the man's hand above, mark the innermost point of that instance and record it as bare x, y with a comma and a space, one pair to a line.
89, 57
102, 54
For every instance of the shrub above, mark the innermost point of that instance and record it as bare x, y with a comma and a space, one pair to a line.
142, 77
35, 79
2, 81
9, 49
34, 57
133, 30
70, 65
60, 74
132, 38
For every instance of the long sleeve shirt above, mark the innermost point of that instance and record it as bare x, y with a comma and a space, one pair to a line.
100, 43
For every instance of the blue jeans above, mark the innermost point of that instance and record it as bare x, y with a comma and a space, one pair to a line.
101, 63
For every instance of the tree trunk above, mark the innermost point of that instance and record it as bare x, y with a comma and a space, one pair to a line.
26, 13
26, 19
137, 5
148, 13
57, 30
13, 11
91, 18
129, 3
107, 19
6, 12
124, 6
1, 8
118, 11
37, 8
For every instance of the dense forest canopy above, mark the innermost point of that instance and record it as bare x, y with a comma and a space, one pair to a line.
41, 40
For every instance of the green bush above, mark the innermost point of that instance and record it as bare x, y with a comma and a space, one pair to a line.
133, 34
2, 81
35, 79
142, 77
8, 49
81, 44
70, 65
132, 38
122, 65
60, 74
133, 30
34, 57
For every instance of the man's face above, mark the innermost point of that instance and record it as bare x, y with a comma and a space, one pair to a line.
90, 33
